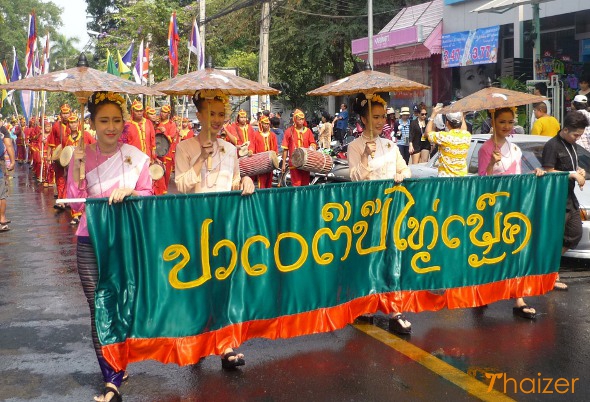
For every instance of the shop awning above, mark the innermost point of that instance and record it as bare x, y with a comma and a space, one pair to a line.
501, 6
414, 33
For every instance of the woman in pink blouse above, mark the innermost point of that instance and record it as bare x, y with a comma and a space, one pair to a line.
114, 170
498, 156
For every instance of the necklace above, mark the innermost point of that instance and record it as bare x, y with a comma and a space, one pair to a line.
574, 162
208, 173
97, 165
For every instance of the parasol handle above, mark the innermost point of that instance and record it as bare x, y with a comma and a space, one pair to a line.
209, 158
369, 97
81, 145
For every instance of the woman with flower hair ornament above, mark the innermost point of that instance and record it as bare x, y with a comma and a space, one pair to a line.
114, 170
372, 157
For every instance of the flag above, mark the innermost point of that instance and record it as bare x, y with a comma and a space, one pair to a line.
173, 40
128, 56
3, 80
15, 68
46, 53
31, 46
138, 69
37, 61
124, 71
146, 63
111, 66
195, 45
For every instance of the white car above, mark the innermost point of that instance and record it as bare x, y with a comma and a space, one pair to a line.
532, 149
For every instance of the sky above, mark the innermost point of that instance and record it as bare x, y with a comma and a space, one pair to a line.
74, 20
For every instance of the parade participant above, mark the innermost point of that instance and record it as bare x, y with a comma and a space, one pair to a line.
33, 138
242, 132
5, 146
372, 157
194, 176
45, 167
297, 136
185, 132
265, 141
75, 137
419, 145
560, 154
59, 135
326, 129
453, 144
34, 130
139, 131
168, 128
499, 156
19, 132
114, 170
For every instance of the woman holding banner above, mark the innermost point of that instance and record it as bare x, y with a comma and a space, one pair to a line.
207, 164
499, 156
114, 170
372, 157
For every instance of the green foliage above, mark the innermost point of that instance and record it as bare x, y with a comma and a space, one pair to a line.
514, 84
63, 53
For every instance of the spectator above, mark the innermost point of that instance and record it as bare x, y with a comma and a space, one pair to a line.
275, 124
540, 89
325, 135
580, 104
341, 123
560, 154
403, 133
389, 127
545, 124
5, 146
419, 145
584, 86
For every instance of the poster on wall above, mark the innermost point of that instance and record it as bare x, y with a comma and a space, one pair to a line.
470, 47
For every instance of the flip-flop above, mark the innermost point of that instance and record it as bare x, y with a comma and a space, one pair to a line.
519, 311
227, 364
4, 228
5, 223
558, 285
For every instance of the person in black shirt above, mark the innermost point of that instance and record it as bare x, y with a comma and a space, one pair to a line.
560, 154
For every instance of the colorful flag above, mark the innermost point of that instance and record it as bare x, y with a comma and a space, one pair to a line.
3, 80
173, 40
138, 69
146, 63
46, 53
15, 68
111, 66
195, 45
124, 71
31, 46
128, 56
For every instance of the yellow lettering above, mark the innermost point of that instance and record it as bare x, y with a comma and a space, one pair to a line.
302, 258
371, 208
510, 230
561, 382
256, 269
548, 381
424, 257
455, 241
327, 258
480, 204
399, 242
173, 252
493, 378
529, 380
222, 273
506, 380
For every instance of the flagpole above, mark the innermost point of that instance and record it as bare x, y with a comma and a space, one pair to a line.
42, 134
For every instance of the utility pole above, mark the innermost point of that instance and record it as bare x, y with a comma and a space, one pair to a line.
202, 24
370, 26
264, 103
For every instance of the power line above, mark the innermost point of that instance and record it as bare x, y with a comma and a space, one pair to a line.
336, 16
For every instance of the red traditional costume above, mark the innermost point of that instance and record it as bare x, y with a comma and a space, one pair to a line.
298, 138
185, 132
140, 134
168, 128
59, 135
265, 141
241, 132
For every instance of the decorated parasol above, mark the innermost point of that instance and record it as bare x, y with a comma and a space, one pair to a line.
211, 82
368, 82
82, 81
492, 98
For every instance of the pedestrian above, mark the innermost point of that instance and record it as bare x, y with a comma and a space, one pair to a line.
403, 133
453, 144
326, 130
275, 127
540, 89
419, 145
340, 123
389, 127
580, 104
372, 157
297, 136
5, 147
560, 154
499, 156
544, 124
584, 85
58, 137
265, 141
114, 170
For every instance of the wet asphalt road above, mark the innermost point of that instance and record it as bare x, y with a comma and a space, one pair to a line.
46, 352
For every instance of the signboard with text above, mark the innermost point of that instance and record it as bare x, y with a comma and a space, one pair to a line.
470, 47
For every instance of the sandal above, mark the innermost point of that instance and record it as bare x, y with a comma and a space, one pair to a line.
399, 324
365, 319
228, 364
519, 312
74, 221
560, 286
125, 377
4, 228
5, 223
60, 207
110, 389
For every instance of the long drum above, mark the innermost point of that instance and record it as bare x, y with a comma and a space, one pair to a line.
162, 145
312, 161
66, 155
257, 164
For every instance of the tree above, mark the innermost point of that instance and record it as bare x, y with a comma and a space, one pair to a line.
63, 52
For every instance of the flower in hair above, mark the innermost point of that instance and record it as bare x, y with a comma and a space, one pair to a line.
110, 96
379, 99
212, 94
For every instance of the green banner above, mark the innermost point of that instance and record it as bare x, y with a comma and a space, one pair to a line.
180, 266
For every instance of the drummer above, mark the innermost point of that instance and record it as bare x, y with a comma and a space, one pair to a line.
76, 135
372, 157
58, 136
139, 131
265, 141
185, 132
297, 136
242, 132
168, 128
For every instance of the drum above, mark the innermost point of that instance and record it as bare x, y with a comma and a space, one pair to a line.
312, 161
156, 171
243, 149
162, 144
66, 155
56, 152
262, 163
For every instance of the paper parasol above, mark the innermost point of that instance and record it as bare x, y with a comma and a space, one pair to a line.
492, 98
210, 79
367, 82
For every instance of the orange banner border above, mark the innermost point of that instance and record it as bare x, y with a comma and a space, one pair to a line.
189, 350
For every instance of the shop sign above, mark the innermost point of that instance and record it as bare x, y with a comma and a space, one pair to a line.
387, 40
470, 47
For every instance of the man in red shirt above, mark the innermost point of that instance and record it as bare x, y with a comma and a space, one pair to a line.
185, 132
140, 132
168, 128
297, 136
59, 135
242, 132
266, 140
